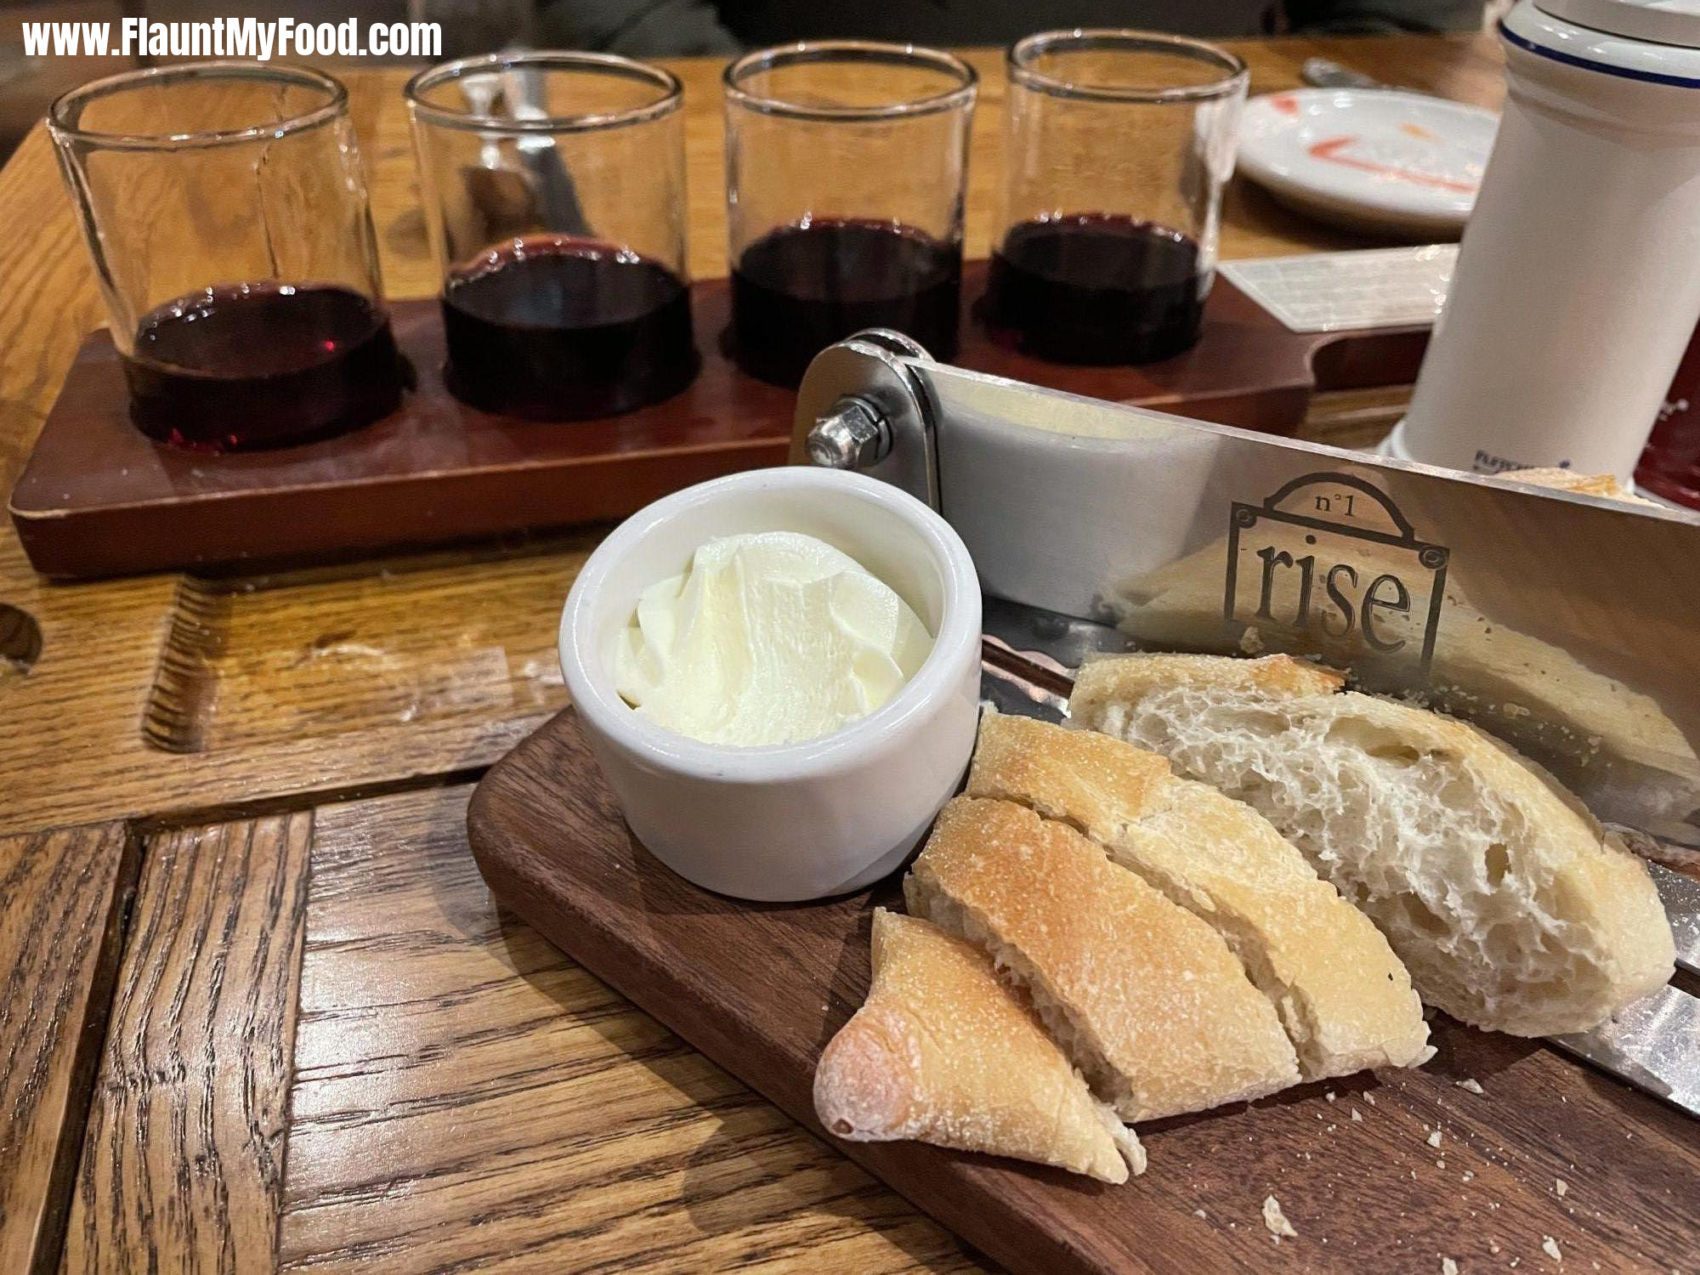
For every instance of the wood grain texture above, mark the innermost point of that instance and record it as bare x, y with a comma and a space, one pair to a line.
762, 988
81, 705
466, 1096
60, 896
182, 1163
247, 665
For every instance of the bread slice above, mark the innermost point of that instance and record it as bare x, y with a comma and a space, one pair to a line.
1144, 996
1510, 905
1342, 996
942, 1052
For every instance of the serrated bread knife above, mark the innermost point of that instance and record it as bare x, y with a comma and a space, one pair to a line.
1564, 623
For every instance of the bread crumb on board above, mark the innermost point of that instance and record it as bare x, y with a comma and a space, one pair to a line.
1448, 1266
1560, 1187
1357, 1116
1276, 1220
1369, 1098
1434, 1138
1550, 1247
1470, 1085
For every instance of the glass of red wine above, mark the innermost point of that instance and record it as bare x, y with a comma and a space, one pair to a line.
225, 207
554, 188
845, 164
1117, 146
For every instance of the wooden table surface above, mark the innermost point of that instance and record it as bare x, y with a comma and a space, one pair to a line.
257, 1009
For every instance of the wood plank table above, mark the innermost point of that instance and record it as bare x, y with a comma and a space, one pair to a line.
257, 1010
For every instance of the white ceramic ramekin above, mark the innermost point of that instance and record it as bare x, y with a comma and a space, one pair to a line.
791, 821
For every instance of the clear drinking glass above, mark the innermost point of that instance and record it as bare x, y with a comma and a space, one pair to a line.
225, 208
1117, 146
554, 189
845, 165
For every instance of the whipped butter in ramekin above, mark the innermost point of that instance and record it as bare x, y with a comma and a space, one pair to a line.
810, 817
768, 637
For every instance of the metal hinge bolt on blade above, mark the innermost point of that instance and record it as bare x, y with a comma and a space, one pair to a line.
852, 436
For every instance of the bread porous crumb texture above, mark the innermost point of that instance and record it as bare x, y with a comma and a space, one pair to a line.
1395, 807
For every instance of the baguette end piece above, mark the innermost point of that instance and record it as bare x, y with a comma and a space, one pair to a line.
943, 1052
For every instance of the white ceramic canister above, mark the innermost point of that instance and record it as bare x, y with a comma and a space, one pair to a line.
1578, 282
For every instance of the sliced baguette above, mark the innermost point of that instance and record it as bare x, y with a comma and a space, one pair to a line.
943, 1052
1146, 998
1344, 999
1510, 905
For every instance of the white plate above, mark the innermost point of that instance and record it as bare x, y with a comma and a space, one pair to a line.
1374, 159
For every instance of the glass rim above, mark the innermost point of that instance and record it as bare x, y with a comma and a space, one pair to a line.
1021, 54
62, 129
892, 54
672, 92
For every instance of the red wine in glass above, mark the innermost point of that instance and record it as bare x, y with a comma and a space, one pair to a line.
798, 289
1095, 288
267, 364
559, 328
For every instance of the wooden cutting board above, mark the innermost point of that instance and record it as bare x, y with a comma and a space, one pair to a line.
760, 988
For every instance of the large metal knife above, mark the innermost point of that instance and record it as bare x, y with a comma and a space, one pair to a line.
1565, 623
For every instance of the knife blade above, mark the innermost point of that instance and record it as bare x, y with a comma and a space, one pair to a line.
1654, 1045
1503, 603
1681, 897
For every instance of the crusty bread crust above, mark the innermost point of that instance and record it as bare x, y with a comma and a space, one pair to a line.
1343, 997
943, 1052
1113, 680
1569, 918
1148, 1000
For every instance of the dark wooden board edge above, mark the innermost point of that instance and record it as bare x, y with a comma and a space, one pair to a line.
131, 539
